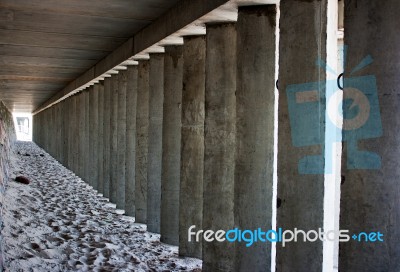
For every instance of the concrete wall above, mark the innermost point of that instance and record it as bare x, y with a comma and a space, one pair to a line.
7, 139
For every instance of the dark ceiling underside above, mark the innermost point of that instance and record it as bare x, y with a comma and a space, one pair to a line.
45, 44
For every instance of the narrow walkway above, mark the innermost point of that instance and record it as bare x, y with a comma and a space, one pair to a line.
59, 223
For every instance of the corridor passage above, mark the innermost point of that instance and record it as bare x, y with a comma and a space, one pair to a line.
59, 223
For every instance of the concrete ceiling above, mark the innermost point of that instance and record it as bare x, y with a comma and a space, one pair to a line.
46, 44
51, 49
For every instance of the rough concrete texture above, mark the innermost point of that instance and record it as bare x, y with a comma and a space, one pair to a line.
370, 198
93, 136
171, 145
106, 133
100, 141
131, 105
121, 134
255, 99
113, 138
219, 143
70, 102
7, 140
156, 98
82, 124
87, 136
192, 144
301, 196
142, 130
65, 113
74, 129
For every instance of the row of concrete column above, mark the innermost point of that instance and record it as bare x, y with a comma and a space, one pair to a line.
187, 138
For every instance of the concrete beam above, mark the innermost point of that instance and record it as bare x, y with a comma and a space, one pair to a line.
184, 13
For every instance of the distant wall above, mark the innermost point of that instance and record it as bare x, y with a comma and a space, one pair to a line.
7, 140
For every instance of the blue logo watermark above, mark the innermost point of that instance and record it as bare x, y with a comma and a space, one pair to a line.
353, 114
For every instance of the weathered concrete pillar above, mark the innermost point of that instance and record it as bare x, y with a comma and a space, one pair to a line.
107, 140
131, 105
192, 144
96, 88
100, 141
66, 113
87, 135
171, 144
81, 123
300, 170
121, 128
219, 143
114, 138
69, 131
255, 99
370, 196
50, 126
142, 130
60, 132
156, 98
93, 135
75, 128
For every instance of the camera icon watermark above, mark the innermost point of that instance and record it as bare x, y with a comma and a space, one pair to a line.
320, 113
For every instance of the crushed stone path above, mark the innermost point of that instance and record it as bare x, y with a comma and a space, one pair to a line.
60, 223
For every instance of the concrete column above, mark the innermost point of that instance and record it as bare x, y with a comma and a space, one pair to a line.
131, 105
219, 143
114, 139
142, 130
87, 135
255, 99
171, 144
81, 123
107, 141
300, 196
72, 136
93, 135
192, 143
69, 130
100, 141
65, 114
60, 132
121, 128
156, 75
51, 134
370, 196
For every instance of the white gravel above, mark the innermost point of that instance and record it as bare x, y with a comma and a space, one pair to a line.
59, 223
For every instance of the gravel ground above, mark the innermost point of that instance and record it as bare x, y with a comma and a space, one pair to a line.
59, 223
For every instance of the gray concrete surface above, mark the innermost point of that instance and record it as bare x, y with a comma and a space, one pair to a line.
142, 130
192, 144
121, 138
131, 105
255, 99
301, 196
171, 144
370, 198
219, 143
156, 98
